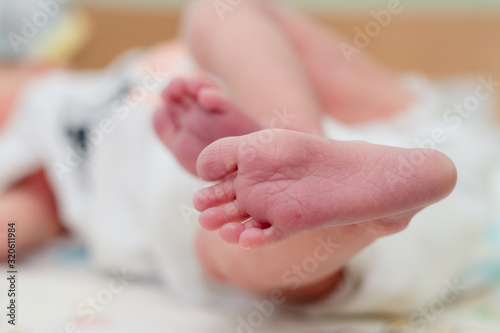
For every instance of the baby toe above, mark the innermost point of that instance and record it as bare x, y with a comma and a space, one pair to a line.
215, 218
257, 237
230, 233
219, 160
212, 99
215, 195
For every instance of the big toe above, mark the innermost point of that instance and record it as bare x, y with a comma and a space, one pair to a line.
214, 99
219, 159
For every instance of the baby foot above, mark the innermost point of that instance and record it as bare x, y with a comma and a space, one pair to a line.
195, 114
274, 184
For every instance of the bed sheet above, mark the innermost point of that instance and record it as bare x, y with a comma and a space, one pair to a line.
59, 292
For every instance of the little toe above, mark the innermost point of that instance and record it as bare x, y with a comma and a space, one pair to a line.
215, 195
231, 232
219, 159
215, 218
257, 235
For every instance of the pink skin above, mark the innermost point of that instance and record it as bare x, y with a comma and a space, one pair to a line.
275, 184
297, 182
194, 115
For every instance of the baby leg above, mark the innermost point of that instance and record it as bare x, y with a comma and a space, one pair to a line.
197, 113
235, 265
365, 199
289, 183
251, 54
280, 267
30, 204
352, 88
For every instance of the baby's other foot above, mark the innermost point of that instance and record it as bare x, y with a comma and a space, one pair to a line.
195, 114
275, 184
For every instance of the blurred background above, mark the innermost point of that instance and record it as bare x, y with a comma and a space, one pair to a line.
438, 38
